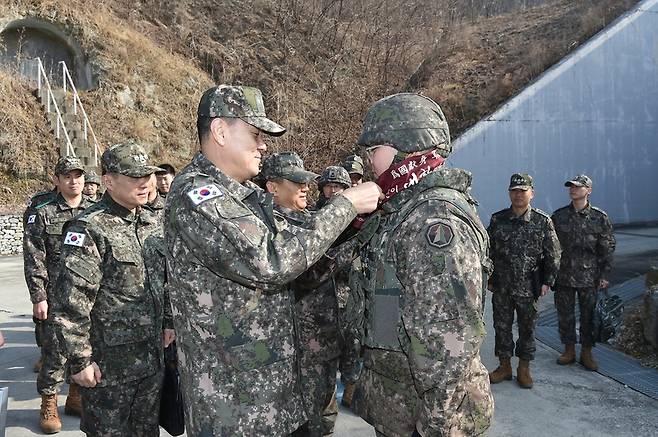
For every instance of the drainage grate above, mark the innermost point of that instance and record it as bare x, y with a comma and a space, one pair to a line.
612, 363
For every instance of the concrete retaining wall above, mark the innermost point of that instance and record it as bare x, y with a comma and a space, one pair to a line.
11, 234
596, 112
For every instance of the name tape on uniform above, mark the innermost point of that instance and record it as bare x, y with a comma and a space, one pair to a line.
207, 192
31, 219
74, 239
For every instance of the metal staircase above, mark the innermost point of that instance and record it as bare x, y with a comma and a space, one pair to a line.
68, 118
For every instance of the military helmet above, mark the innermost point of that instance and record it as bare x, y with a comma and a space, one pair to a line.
354, 165
408, 122
336, 175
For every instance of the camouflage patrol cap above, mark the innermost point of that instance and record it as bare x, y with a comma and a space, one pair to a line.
243, 102
336, 175
581, 180
408, 122
520, 181
128, 159
354, 165
92, 178
67, 164
286, 165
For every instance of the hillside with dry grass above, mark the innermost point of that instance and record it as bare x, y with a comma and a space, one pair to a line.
320, 63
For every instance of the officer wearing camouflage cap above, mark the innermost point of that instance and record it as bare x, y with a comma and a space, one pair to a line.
422, 276
287, 180
526, 255
42, 234
92, 184
588, 244
354, 166
110, 324
231, 263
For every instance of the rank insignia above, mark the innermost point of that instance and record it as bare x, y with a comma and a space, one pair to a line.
439, 235
31, 219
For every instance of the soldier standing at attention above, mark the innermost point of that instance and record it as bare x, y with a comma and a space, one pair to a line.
92, 184
230, 261
109, 322
526, 255
423, 273
42, 237
585, 233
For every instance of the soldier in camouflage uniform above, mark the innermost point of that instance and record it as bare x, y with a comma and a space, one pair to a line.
41, 198
423, 273
354, 166
42, 224
92, 185
587, 247
156, 201
333, 181
526, 255
109, 322
230, 260
316, 307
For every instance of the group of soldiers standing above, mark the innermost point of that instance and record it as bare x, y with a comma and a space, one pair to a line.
267, 298
532, 252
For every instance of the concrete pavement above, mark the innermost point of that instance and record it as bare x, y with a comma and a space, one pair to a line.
565, 401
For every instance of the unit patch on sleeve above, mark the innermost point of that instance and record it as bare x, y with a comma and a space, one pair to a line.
74, 239
31, 219
207, 192
439, 235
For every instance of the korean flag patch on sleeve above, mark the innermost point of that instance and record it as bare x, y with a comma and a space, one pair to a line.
74, 239
207, 192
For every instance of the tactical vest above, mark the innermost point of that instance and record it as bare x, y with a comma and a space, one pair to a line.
384, 292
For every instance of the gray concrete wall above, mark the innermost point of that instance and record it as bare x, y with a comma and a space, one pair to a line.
596, 112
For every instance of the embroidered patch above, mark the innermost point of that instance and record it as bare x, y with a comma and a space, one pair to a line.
201, 194
31, 219
439, 235
74, 239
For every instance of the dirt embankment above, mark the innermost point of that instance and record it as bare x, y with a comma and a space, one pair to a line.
321, 63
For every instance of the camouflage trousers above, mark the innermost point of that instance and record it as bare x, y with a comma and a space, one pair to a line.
38, 331
318, 382
386, 397
53, 367
128, 409
565, 302
504, 307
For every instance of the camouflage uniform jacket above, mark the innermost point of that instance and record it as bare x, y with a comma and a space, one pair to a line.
107, 315
42, 237
156, 272
587, 245
230, 261
157, 207
315, 293
423, 281
519, 246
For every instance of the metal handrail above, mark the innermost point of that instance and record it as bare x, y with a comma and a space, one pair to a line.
41, 73
66, 78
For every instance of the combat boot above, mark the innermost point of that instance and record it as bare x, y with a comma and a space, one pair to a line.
49, 418
502, 372
523, 377
348, 393
587, 360
37, 365
568, 356
73, 406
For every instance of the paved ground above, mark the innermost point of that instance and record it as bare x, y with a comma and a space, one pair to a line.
566, 401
